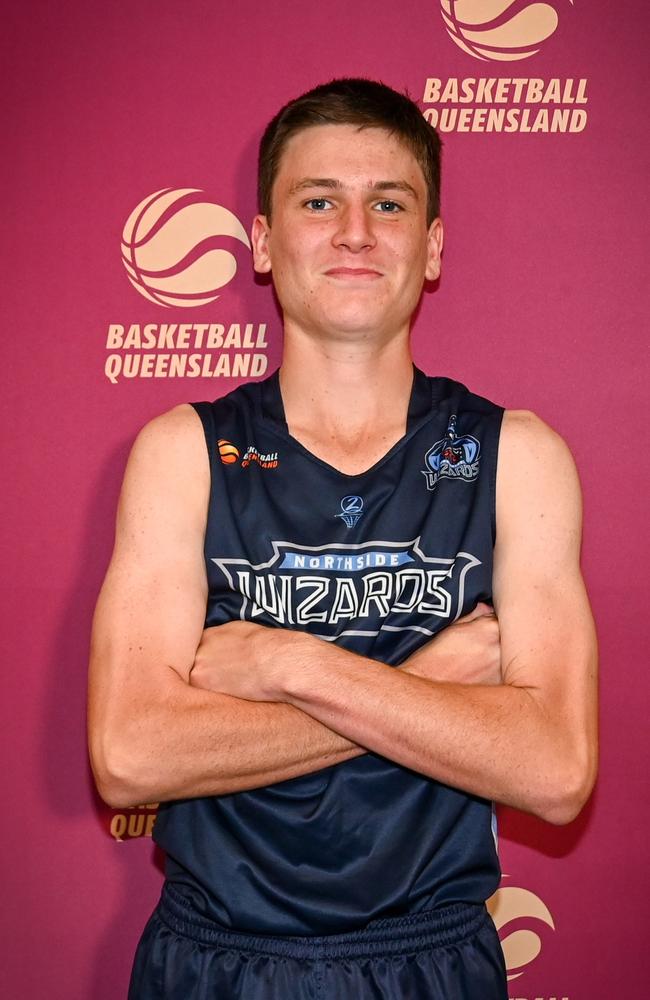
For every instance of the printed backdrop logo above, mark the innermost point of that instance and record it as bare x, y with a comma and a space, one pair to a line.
522, 945
503, 30
136, 821
172, 247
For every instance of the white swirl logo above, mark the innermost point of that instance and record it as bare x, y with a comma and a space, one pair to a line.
504, 30
522, 945
172, 247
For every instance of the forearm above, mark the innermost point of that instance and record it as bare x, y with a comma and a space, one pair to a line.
498, 742
264, 738
191, 743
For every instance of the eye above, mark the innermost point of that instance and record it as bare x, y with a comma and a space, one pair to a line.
318, 204
388, 207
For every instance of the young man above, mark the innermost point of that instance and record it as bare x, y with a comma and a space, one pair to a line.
328, 819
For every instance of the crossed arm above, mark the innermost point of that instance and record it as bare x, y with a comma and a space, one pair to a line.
296, 704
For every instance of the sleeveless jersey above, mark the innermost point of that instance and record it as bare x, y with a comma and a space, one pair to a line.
377, 562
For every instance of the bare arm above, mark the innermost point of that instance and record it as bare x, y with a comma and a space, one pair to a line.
530, 742
152, 736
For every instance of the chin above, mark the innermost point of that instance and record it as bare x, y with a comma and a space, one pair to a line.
364, 330
349, 318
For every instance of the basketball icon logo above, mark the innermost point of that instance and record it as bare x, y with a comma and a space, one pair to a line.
503, 30
176, 247
522, 945
227, 452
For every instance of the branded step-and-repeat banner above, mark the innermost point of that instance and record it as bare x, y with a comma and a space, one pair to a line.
131, 135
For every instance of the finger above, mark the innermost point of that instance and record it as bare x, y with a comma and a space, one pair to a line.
479, 611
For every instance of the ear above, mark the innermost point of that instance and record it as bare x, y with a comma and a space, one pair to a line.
260, 233
434, 250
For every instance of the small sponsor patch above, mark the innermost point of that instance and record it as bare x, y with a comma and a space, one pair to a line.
265, 460
228, 452
351, 510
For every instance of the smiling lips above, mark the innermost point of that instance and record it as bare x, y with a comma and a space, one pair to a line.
364, 273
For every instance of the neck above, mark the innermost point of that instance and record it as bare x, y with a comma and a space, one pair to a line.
320, 381
342, 400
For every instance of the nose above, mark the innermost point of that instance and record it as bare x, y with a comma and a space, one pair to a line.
354, 231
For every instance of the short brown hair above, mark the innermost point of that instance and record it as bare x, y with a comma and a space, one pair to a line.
352, 101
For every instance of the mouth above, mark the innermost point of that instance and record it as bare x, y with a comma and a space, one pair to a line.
353, 273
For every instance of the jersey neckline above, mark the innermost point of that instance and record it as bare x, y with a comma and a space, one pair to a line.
420, 409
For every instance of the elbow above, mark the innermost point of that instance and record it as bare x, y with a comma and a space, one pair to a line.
564, 807
117, 793
118, 775
567, 793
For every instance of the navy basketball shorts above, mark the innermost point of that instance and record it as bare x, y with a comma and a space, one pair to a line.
451, 953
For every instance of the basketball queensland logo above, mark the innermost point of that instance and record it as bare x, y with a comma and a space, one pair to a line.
179, 249
134, 822
228, 452
171, 247
496, 34
500, 30
524, 922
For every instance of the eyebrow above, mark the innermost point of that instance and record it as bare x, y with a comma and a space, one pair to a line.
331, 184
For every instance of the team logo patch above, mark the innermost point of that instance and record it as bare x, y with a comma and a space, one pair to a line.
453, 457
228, 453
351, 510
268, 460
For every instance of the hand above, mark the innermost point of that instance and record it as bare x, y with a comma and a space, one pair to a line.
241, 659
467, 652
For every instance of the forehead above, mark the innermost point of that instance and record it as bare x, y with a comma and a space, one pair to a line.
347, 152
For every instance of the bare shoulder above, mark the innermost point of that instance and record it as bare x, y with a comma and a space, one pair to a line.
170, 446
530, 451
538, 489
176, 432
167, 478
527, 438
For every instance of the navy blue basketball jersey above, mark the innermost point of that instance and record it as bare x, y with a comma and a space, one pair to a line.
378, 562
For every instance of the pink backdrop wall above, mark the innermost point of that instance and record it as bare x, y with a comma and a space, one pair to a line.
542, 304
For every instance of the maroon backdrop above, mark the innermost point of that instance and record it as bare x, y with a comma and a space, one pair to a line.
542, 304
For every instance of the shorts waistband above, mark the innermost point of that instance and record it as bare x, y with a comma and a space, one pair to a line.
445, 925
